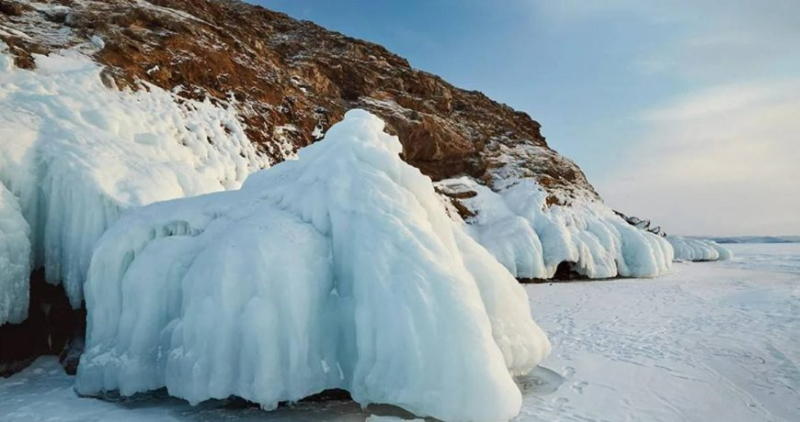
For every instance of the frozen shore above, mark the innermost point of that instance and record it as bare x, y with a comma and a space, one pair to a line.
712, 341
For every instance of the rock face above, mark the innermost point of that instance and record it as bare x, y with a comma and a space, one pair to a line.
291, 80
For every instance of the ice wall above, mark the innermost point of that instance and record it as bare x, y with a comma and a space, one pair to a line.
531, 238
340, 270
15, 259
75, 154
693, 249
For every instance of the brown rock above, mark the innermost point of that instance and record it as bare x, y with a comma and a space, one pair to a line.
282, 71
12, 8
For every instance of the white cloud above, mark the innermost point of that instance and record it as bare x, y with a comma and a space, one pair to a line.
723, 156
722, 161
725, 99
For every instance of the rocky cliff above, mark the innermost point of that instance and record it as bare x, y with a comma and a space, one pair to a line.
291, 80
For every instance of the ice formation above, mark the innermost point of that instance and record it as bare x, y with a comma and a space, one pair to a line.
531, 239
693, 249
339, 270
15, 259
75, 154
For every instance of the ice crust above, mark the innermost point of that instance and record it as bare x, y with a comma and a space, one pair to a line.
531, 238
339, 270
75, 154
693, 249
15, 259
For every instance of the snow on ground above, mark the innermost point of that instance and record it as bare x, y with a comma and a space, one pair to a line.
763, 256
712, 341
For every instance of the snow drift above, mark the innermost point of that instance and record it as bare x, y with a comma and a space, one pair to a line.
75, 154
692, 249
531, 238
340, 270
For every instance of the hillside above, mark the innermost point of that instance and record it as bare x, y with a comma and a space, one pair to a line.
290, 80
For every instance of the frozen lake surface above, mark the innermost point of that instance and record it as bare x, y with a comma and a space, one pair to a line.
711, 341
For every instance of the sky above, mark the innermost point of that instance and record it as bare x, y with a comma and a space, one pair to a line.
684, 112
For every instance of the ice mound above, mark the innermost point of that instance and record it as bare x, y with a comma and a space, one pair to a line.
15, 259
75, 154
531, 238
340, 270
692, 249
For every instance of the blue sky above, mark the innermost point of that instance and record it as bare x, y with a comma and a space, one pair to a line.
684, 112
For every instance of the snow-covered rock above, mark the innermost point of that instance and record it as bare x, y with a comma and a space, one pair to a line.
339, 270
531, 238
75, 154
693, 249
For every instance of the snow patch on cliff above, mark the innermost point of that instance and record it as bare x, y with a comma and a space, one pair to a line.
692, 249
531, 238
340, 270
75, 154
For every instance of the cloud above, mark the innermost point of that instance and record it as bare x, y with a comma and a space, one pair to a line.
725, 160
720, 155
